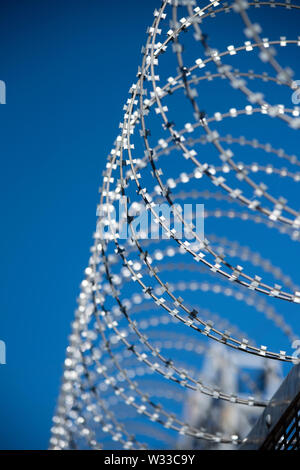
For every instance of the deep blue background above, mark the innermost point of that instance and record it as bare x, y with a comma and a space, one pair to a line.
68, 66
67, 74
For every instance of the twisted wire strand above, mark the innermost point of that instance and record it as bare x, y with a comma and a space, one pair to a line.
111, 353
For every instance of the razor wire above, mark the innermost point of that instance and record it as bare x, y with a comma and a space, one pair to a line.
132, 321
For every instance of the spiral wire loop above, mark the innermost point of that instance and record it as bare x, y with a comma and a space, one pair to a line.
157, 316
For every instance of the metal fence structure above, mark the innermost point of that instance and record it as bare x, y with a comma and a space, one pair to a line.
278, 428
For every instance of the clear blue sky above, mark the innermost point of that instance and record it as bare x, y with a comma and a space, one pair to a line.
68, 67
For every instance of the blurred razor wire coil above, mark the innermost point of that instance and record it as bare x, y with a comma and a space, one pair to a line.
179, 340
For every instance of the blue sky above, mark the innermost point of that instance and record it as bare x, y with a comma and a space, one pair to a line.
67, 74
68, 67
